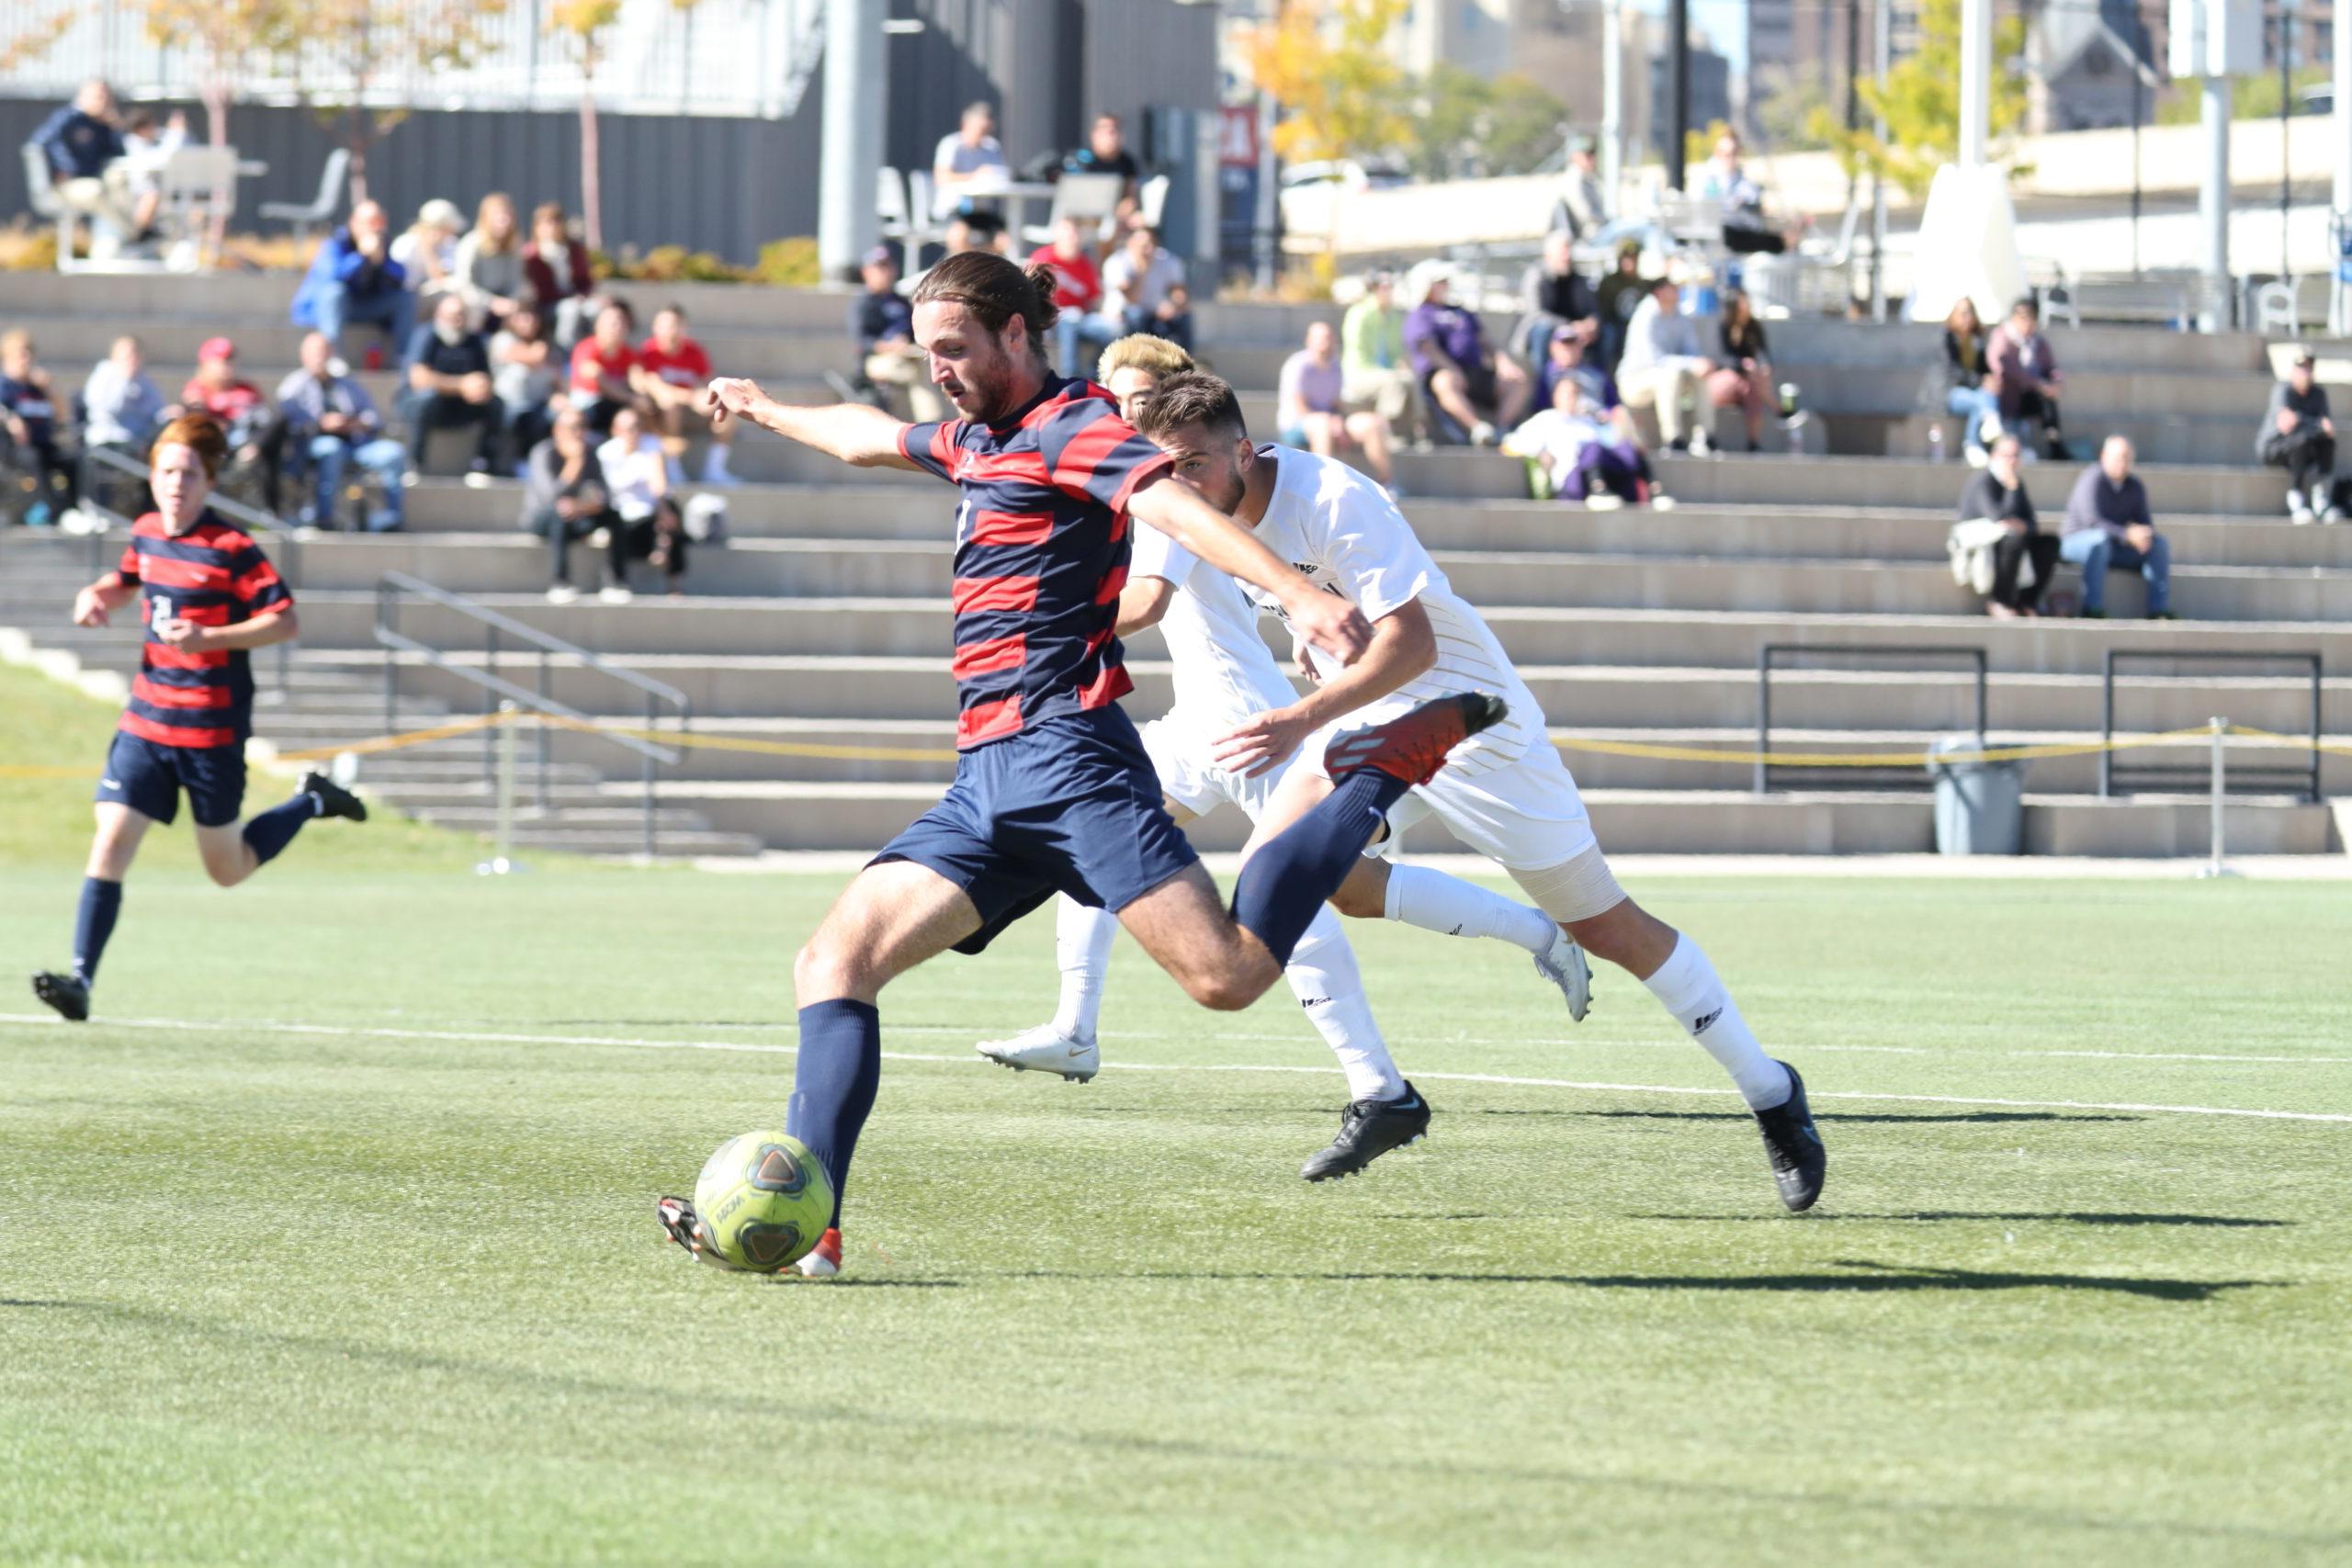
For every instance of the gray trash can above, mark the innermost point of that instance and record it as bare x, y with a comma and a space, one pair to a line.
1980, 807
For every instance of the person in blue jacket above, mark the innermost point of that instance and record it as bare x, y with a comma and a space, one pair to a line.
355, 279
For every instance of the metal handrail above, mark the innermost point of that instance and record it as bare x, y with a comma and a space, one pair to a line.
1900, 771
392, 587
2116, 777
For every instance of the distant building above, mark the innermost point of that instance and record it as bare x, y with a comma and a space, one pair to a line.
2085, 64
1797, 44
1710, 95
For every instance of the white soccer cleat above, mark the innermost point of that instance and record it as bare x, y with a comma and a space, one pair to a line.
1046, 1049
1564, 964
823, 1260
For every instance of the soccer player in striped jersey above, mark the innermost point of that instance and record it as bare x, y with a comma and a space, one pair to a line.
210, 598
1504, 793
1224, 676
1053, 791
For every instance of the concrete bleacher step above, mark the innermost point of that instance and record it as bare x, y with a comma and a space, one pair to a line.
824, 569
1629, 821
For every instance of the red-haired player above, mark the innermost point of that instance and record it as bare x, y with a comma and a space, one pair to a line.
212, 597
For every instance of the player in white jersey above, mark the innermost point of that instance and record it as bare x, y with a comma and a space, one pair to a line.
1504, 793
1224, 676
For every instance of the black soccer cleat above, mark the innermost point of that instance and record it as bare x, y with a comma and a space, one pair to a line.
1368, 1129
678, 1222
1412, 746
1794, 1145
332, 799
67, 993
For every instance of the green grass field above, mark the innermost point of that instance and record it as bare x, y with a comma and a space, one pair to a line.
334, 1240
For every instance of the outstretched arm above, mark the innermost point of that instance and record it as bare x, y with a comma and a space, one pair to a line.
1326, 620
854, 432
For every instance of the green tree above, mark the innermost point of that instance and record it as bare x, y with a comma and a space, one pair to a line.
1325, 63
1919, 99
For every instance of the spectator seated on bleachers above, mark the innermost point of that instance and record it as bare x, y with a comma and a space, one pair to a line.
147, 145
1553, 294
28, 423
1480, 390
1665, 367
488, 268
1376, 369
1583, 207
354, 280
1620, 294
647, 527
449, 387
558, 276
1078, 294
122, 412
670, 371
1311, 407
82, 143
1568, 356
2110, 528
1970, 390
967, 156
1998, 546
238, 406
603, 364
882, 324
2025, 380
565, 499
1744, 379
1105, 153
428, 254
1748, 228
1144, 291
1578, 451
326, 421
2298, 435
525, 371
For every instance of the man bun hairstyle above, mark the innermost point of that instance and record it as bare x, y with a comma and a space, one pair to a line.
1190, 398
201, 434
994, 290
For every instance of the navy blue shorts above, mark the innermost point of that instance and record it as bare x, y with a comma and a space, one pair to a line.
148, 778
1071, 805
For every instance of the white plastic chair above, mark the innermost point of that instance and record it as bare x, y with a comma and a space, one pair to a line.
1090, 199
890, 202
1151, 199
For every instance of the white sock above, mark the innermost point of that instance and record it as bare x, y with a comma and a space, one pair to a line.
1082, 948
1323, 971
1436, 902
1686, 985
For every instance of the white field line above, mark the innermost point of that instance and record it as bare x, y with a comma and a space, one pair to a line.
481, 1037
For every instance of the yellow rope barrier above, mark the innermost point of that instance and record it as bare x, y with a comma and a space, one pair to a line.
744, 743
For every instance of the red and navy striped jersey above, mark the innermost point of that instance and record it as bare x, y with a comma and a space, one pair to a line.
1041, 553
216, 576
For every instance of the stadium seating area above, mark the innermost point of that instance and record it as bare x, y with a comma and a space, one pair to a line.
822, 620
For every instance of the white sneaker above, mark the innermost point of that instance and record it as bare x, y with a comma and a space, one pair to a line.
614, 595
1483, 434
562, 593
1977, 456
1661, 501
1701, 444
1046, 1049
1603, 501
2332, 514
1564, 964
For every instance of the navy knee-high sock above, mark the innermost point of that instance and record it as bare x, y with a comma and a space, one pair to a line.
1304, 864
93, 923
833, 1080
274, 829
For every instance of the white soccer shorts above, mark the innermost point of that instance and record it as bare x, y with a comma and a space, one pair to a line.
1525, 815
1179, 745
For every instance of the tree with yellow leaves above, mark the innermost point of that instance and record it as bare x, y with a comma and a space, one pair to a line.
1324, 63
228, 39
1919, 98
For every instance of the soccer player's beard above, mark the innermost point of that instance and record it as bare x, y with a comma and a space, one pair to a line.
984, 394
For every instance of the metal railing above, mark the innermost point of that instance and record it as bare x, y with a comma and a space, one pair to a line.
1903, 772
281, 540
526, 641
2118, 777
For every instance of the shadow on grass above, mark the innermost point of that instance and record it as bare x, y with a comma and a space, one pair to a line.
2230, 1221
1872, 1278
1838, 1116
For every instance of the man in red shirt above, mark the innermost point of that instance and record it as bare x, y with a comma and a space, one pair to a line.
602, 367
212, 597
1078, 293
670, 372
235, 403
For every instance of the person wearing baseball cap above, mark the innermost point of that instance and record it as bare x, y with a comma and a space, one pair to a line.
2298, 435
239, 406
882, 324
